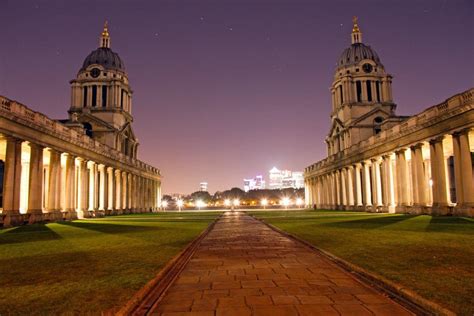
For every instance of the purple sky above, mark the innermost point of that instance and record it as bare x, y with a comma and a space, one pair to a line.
228, 89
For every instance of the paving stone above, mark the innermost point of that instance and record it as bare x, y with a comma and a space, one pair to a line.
242, 267
284, 300
281, 310
259, 300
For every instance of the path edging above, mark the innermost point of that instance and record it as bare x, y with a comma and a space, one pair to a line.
406, 297
147, 297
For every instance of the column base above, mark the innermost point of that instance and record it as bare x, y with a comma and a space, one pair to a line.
69, 215
53, 216
464, 210
441, 209
34, 216
10, 220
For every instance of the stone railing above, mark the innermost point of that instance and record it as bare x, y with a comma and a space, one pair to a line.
41, 122
406, 127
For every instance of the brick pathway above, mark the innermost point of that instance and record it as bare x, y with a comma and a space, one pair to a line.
242, 267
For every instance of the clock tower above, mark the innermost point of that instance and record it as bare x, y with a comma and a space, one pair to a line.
101, 99
362, 103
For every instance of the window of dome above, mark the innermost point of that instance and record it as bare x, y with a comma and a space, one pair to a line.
378, 120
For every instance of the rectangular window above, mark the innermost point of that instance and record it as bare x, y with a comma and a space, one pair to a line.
377, 85
369, 90
341, 94
359, 91
94, 95
104, 96
84, 102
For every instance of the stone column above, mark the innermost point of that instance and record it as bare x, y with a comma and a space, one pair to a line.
118, 192
35, 207
350, 185
418, 177
377, 182
402, 178
125, 206
344, 187
69, 192
129, 192
83, 190
11, 183
110, 191
54, 186
92, 183
358, 186
438, 174
463, 173
367, 187
102, 189
388, 187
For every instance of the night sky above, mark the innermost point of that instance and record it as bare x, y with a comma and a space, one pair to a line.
225, 90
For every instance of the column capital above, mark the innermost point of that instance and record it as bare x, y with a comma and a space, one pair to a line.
416, 146
436, 140
400, 151
35, 145
53, 151
10, 138
461, 132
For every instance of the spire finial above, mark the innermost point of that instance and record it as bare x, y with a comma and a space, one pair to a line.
105, 36
356, 33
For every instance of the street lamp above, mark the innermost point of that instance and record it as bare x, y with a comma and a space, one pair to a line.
236, 202
299, 202
264, 203
180, 204
285, 202
227, 202
200, 204
164, 204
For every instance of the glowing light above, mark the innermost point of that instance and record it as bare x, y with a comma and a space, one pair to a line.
264, 202
180, 204
299, 201
236, 202
227, 202
200, 204
285, 202
164, 204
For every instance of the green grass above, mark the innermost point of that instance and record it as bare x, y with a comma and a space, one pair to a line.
434, 256
88, 266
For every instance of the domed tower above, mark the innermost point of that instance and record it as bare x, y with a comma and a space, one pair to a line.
101, 99
362, 102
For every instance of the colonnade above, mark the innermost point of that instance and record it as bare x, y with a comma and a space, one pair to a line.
429, 177
46, 184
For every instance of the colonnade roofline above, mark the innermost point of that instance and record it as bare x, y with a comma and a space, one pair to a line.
455, 113
20, 121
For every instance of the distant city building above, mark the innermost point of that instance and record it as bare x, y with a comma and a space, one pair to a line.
282, 179
257, 183
203, 186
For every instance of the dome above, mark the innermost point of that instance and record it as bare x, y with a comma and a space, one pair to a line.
357, 52
105, 57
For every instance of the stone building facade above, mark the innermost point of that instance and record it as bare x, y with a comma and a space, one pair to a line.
85, 166
378, 161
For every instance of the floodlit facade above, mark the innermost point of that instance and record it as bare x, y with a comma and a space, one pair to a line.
257, 183
203, 186
381, 162
84, 166
283, 179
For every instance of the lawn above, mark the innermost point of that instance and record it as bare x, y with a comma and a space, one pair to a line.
88, 266
433, 256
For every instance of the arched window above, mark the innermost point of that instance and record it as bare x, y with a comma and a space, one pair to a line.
104, 96
341, 94
94, 95
84, 97
377, 124
377, 86
369, 90
359, 91
87, 128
